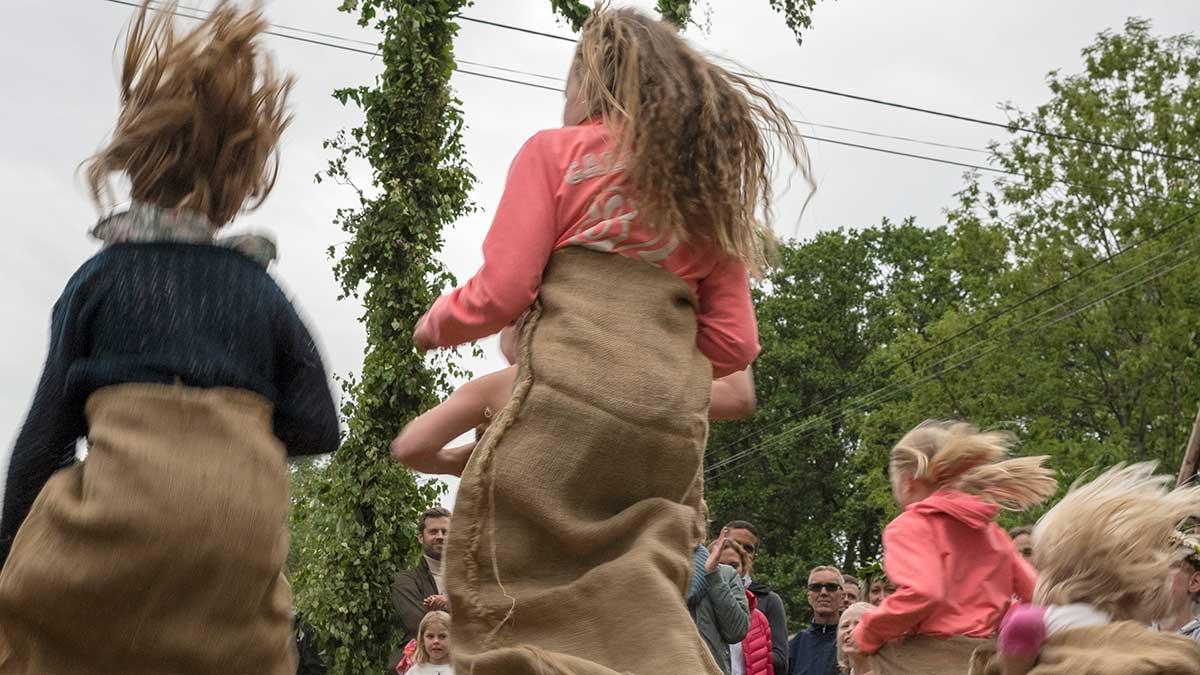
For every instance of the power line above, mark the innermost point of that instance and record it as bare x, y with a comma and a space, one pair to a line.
985, 321
534, 85
518, 29
355, 50
1010, 127
979, 167
725, 466
880, 394
907, 139
862, 406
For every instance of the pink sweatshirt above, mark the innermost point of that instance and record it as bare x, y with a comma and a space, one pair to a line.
564, 189
956, 572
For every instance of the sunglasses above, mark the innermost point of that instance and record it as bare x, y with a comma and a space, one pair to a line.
828, 586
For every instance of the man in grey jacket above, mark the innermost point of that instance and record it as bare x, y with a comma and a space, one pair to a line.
717, 602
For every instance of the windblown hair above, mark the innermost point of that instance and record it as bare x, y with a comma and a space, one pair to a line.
1110, 543
958, 455
692, 136
431, 620
200, 118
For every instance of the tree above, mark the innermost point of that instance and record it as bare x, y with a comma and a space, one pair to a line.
1097, 371
823, 311
356, 516
1061, 305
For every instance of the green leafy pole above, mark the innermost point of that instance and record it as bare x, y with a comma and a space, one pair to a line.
356, 517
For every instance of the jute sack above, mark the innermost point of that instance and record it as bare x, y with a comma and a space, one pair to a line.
160, 554
570, 547
1124, 648
925, 655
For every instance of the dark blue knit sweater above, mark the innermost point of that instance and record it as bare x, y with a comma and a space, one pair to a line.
203, 315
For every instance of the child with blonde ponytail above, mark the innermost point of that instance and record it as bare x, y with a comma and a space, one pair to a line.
955, 570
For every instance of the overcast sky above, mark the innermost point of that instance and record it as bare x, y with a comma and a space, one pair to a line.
967, 56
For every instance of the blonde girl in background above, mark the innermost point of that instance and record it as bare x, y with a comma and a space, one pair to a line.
956, 572
432, 656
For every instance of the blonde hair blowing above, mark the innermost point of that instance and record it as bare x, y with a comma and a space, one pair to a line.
434, 617
1109, 543
958, 455
692, 136
200, 115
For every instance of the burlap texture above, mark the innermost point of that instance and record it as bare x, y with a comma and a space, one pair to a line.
576, 517
1124, 648
925, 655
160, 554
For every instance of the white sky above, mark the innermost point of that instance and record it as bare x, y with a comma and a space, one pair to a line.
60, 100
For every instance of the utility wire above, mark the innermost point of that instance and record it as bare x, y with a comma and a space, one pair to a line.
727, 465
1170, 226
1007, 126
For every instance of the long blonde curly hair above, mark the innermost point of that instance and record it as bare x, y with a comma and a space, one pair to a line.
958, 455
693, 136
201, 115
1110, 543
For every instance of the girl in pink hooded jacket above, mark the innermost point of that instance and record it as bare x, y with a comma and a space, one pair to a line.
956, 572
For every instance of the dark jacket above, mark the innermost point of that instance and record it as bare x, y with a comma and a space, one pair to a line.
814, 651
722, 614
771, 605
409, 591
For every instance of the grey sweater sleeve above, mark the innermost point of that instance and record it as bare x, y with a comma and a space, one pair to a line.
777, 619
729, 604
696, 588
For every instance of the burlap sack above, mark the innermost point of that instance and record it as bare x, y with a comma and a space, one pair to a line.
576, 517
925, 655
162, 553
1124, 648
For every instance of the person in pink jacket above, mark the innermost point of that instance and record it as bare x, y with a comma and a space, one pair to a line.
956, 572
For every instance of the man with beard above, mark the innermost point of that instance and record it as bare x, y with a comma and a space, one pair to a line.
814, 651
421, 589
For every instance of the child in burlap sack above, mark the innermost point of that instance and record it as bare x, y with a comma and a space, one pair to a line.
1103, 555
631, 232
955, 570
191, 375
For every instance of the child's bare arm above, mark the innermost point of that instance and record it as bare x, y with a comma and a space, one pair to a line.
422, 444
733, 396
